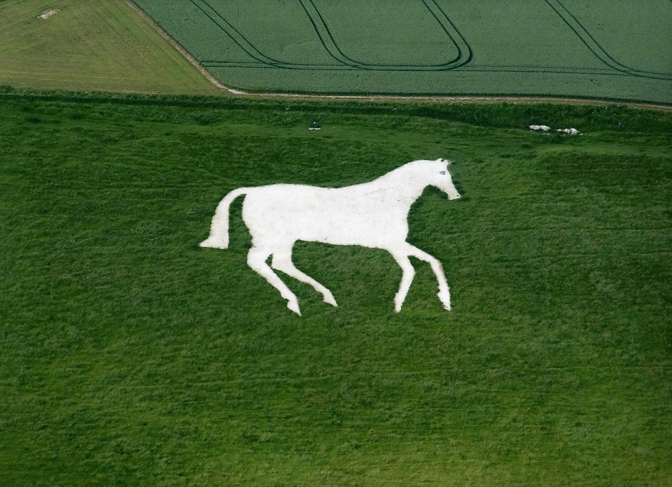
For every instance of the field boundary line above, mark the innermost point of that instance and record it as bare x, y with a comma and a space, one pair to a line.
380, 100
180, 49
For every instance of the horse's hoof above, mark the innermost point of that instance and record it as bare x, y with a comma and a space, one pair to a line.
445, 301
329, 299
214, 244
294, 306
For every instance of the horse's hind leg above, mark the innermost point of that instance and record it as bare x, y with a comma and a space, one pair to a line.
408, 272
256, 259
444, 291
282, 261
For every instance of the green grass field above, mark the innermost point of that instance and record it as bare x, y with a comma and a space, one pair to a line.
90, 46
597, 49
130, 356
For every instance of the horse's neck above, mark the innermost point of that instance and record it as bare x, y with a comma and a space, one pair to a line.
402, 189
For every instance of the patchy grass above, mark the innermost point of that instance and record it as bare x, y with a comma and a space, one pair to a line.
90, 46
130, 356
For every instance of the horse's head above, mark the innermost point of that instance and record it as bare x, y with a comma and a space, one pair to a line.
439, 176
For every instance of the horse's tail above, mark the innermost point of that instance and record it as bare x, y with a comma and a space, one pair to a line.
219, 228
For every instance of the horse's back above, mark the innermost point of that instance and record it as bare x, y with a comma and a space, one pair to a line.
284, 213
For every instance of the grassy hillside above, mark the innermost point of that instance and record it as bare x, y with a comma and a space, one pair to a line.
90, 45
600, 49
130, 356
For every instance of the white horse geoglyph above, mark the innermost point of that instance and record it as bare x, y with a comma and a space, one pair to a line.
372, 214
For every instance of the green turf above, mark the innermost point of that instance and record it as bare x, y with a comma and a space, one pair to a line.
598, 49
130, 356
90, 45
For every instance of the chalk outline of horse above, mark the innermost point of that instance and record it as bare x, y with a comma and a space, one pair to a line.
372, 214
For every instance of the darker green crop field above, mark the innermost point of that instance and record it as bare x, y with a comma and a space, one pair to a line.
608, 49
130, 356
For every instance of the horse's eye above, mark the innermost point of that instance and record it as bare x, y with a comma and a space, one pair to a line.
443, 172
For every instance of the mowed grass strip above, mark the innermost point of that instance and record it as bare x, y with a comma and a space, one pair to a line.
130, 356
90, 45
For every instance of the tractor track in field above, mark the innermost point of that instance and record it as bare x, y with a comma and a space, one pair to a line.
593, 46
382, 98
331, 46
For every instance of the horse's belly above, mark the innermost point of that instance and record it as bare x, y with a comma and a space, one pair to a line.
368, 232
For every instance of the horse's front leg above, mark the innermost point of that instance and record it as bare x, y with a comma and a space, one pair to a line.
408, 272
444, 290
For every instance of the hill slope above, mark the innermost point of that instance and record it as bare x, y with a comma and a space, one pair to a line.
130, 356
